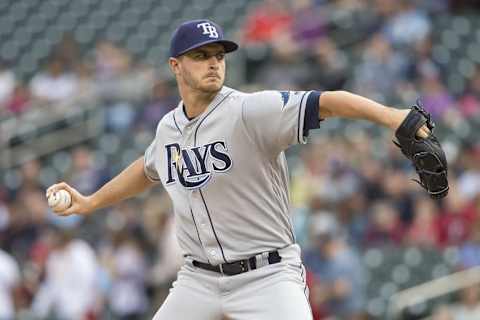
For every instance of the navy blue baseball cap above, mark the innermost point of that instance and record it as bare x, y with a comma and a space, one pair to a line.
196, 33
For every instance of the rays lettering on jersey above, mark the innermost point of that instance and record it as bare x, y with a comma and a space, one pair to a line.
193, 166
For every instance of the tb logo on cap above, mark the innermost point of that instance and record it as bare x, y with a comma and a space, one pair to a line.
208, 29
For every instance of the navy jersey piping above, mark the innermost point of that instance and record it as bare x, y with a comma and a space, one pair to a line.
200, 190
145, 172
305, 288
198, 233
299, 116
201, 121
150, 177
176, 124
211, 224
304, 280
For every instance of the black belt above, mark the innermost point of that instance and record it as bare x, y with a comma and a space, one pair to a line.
237, 267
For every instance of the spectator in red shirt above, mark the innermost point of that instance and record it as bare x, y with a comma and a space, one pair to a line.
456, 219
266, 21
315, 297
424, 228
20, 100
385, 226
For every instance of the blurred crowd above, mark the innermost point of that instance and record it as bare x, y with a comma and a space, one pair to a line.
351, 190
68, 78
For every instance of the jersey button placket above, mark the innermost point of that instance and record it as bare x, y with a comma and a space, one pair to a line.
210, 244
205, 229
197, 206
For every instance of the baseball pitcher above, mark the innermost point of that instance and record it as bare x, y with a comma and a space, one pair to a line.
220, 156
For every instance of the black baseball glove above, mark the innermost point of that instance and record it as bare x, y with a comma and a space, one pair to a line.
426, 153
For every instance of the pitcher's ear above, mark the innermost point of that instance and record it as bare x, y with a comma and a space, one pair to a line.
173, 63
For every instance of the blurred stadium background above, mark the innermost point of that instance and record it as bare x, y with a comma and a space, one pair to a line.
83, 84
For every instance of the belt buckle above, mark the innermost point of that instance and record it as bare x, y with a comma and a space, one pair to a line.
262, 259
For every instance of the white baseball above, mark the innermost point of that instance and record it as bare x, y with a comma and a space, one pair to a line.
60, 200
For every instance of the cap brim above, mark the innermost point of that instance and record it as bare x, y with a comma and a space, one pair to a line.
227, 44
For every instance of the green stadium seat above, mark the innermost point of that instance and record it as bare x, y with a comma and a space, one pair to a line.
7, 24
376, 307
412, 257
473, 51
450, 256
388, 289
461, 25
450, 39
401, 274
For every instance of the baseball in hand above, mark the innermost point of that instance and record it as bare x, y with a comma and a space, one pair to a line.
60, 200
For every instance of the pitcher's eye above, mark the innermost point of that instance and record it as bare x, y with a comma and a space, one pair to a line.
200, 55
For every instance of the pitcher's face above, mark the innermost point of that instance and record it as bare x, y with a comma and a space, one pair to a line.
202, 68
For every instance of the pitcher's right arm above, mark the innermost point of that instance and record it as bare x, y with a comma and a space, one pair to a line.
130, 182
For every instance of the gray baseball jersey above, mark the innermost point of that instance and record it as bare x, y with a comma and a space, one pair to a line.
226, 171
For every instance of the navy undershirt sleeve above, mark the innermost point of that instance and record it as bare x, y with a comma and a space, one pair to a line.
311, 119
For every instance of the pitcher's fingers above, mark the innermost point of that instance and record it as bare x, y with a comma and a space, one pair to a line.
63, 213
423, 132
71, 210
49, 190
53, 188
58, 209
60, 212
57, 187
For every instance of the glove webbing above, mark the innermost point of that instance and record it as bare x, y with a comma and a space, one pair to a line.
434, 194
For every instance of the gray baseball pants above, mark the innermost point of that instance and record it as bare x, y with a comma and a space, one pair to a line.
272, 292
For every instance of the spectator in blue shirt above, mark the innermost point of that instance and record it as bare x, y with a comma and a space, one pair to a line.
337, 267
